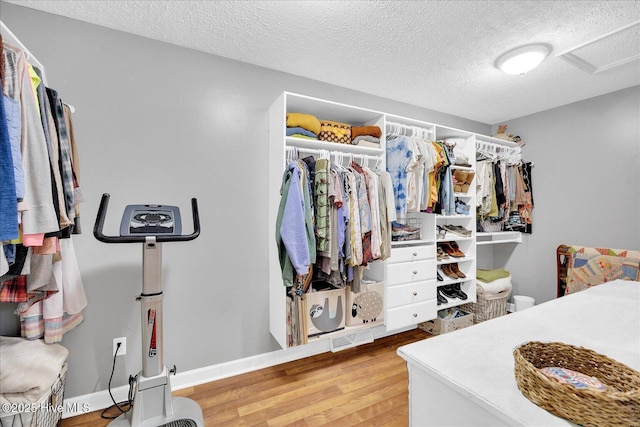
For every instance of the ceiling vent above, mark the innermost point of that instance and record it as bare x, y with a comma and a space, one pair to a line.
606, 52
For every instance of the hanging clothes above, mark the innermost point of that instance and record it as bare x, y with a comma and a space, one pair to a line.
39, 269
295, 242
348, 224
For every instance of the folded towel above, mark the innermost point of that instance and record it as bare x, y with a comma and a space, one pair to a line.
366, 141
306, 121
491, 275
28, 369
494, 287
365, 130
300, 131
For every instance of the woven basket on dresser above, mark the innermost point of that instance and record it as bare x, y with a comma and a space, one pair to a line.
618, 405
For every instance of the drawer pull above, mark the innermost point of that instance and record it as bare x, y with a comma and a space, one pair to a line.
415, 314
415, 271
415, 254
415, 294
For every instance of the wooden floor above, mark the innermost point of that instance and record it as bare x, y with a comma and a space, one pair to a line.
362, 386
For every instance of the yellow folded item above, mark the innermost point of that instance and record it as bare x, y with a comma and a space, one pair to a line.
306, 121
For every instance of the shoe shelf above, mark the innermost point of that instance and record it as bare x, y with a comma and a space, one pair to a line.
449, 281
451, 260
452, 238
462, 195
454, 303
490, 238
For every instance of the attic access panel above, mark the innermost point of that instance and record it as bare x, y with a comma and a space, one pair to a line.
606, 52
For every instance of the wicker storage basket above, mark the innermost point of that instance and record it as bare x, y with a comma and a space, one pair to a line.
488, 307
618, 405
46, 412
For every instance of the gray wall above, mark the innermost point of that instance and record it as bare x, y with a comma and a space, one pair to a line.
586, 185
158, 123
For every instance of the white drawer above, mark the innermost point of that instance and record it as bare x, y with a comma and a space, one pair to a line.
410, 293
412, 253
408, 272
412, 314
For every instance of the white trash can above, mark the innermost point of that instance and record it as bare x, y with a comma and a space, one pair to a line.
522, 302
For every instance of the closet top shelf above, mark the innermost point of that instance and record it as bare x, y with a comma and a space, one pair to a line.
315, 144
334, 111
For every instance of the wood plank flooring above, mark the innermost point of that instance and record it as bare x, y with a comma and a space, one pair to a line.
362, 386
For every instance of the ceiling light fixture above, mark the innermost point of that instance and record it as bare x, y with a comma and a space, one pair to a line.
523, 59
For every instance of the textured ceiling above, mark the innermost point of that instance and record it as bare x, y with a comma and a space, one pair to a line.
434, 54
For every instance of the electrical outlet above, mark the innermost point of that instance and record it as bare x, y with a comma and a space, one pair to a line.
123, 346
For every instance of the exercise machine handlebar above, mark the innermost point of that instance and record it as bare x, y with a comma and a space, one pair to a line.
102, 213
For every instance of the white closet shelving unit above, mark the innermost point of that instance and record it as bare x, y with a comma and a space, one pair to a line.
278, 144
495, 244
496, 237
465, 142
409, 275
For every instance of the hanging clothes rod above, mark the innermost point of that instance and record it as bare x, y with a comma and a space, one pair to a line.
394, 128
512, 155
9, 37
335, 154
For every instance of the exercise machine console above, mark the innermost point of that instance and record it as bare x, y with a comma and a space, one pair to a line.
153, 225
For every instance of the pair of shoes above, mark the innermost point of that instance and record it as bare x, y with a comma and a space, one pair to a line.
463, 180
451, 249
442, 254
441, 298
453, 291
458, 230
446, 269
441, 233
452, 271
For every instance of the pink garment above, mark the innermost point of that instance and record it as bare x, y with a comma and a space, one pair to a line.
33, 239
50, 245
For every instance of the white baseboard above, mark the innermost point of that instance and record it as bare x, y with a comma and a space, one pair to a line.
79, 405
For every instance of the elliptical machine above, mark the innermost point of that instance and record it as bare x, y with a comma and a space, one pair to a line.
153, 225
